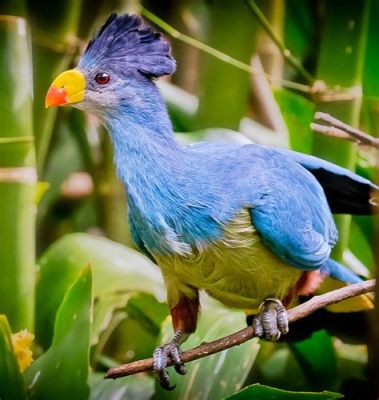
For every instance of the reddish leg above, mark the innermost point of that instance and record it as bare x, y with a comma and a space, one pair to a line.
184, 319
184, 315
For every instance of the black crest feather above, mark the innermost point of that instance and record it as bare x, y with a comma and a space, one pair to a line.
131, 46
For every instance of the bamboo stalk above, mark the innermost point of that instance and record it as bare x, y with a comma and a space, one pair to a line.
340, 63
54, 26
225, 90
17, 175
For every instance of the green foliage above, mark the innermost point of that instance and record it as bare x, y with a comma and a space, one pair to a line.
268, 393
317, 358
126, 271
134, 387
62, 373
11, 384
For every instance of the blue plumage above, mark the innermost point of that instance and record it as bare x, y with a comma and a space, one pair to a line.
132, 48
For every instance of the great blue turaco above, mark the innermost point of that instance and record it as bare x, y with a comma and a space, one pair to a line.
251, 225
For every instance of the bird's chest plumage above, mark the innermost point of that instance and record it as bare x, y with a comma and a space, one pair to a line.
238, 269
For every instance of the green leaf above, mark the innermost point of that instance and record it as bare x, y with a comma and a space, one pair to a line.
220, 374
317, 358
135, 329
371, 63
138, 387
11, 383
105, 307
298, 114
277, 366
116, 268
262, 392
62, 372
147, 311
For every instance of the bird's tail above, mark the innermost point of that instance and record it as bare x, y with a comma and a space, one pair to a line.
339, 276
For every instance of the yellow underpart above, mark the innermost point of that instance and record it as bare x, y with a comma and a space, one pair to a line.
239, 270
74, 82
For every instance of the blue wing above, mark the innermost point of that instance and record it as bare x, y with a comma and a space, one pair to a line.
293, 216
289, 206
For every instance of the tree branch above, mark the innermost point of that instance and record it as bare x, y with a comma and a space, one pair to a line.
237, 338
337, 128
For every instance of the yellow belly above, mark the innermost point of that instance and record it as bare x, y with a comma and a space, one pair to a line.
240, 271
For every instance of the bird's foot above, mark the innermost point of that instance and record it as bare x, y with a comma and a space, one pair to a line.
271, 321
161, 356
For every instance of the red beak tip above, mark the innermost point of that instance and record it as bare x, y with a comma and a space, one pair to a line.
55, 97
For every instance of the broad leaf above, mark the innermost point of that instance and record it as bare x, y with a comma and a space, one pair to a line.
317, 359
132, 331
116, 269
62, 372
138, 387
262, 392
11, 383
147, 311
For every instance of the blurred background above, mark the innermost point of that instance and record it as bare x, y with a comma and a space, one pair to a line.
247, 71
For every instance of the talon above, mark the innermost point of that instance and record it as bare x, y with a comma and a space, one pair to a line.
271, 321
161, 356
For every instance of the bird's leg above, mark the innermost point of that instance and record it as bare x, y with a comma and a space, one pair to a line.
271, 320
163, 353
184, 319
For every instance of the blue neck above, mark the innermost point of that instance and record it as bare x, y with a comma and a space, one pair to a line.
148, 160
143, 139
169, 201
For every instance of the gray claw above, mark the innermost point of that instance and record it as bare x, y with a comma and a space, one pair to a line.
161, 355
271, 321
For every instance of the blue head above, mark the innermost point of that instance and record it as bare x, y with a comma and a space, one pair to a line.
117, 69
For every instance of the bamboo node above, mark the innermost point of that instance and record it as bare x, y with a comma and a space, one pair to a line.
16, 139
19, 175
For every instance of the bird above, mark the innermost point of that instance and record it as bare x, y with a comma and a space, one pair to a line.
251, 225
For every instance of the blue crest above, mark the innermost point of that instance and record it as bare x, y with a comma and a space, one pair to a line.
126, 42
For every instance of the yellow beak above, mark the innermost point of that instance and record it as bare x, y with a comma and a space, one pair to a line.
67, 88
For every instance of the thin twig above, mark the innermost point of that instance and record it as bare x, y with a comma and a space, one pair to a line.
337, 128
245, 334
219, 54
286, 53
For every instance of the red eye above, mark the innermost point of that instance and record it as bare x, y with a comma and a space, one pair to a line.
102, 78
